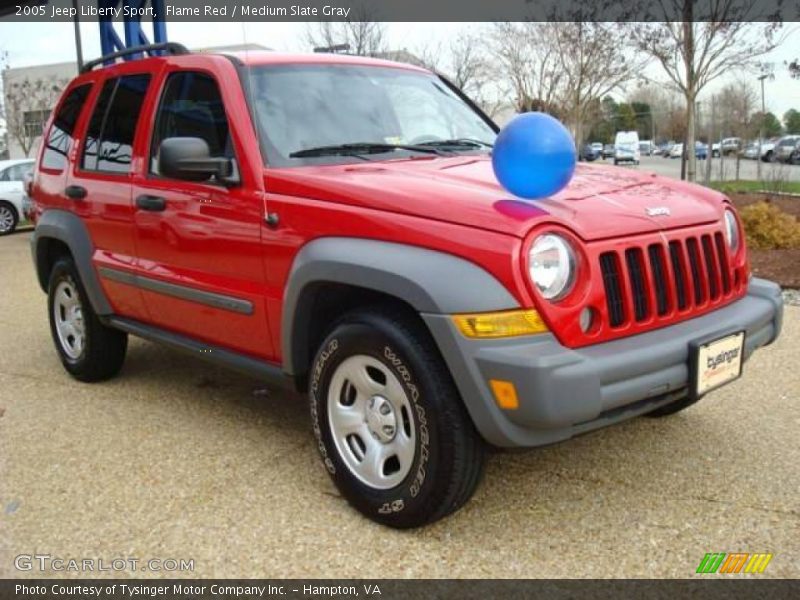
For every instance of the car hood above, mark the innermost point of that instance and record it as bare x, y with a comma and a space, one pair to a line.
599, 202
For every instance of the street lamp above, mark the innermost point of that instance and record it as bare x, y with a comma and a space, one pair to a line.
761, 78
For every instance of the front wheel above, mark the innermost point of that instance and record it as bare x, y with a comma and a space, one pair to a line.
389, 423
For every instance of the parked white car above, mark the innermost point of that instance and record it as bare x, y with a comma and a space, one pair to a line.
12, 193
676, 151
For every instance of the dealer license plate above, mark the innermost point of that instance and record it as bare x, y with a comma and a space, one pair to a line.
718, 362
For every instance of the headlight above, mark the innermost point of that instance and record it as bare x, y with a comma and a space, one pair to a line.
731, 230
552, 266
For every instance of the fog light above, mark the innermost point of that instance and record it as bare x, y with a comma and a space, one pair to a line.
586, 319
505, 394
510, 323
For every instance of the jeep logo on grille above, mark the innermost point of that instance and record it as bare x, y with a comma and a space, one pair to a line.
657, 211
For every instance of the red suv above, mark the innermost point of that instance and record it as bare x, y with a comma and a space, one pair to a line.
333, 223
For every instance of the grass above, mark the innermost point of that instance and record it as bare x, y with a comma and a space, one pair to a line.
751, 185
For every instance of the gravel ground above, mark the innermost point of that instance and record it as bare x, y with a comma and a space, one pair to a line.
174, 459
791, 297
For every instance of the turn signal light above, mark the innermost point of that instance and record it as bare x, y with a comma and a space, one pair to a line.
505, 394
509, 323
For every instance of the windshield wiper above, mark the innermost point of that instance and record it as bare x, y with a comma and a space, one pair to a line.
458, 143
359, 148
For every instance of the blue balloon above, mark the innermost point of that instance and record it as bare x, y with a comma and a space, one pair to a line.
534, 156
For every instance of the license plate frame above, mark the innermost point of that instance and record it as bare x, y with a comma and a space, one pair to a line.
706, 378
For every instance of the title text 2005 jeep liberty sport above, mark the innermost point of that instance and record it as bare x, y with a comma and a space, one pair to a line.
334, 222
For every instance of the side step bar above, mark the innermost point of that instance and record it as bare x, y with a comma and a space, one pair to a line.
214, 354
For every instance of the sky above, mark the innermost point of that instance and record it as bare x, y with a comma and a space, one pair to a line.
41, 43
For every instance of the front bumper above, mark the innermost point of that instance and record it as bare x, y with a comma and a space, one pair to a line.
563, 392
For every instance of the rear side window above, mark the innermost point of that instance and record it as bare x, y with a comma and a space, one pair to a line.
191, 106
62, 133
109, 139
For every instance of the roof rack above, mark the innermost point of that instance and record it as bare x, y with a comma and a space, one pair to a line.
169, 47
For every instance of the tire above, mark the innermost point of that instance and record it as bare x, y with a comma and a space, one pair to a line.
89, 350
616, 162
429, 457
672, 408
8, 218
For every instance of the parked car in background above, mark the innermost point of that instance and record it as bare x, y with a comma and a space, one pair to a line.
750, 151
701, 150
676, 151
731, 145
12, 193
668, 149
646, 148
598, 146
768, 149
608, 151
785, 147
626, 147
794, 158
590, 153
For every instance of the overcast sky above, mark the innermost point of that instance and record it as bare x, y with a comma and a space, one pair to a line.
41, 43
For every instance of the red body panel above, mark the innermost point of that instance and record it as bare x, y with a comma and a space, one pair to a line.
215, 239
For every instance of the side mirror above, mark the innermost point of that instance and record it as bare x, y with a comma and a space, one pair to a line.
189, 158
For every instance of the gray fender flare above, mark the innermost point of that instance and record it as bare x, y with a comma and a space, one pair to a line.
428, 280
67, 228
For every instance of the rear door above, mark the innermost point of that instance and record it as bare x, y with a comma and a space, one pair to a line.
199, 243
99, 188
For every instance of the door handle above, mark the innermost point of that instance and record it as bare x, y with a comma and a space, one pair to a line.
151, 203
75, 192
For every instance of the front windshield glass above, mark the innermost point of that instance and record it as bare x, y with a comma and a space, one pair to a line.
303, 107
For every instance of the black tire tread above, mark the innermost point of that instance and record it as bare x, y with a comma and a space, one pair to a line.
467, 447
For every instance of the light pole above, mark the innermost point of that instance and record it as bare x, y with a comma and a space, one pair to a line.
761, 78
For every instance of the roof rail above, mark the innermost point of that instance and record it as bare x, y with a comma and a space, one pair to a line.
168, 47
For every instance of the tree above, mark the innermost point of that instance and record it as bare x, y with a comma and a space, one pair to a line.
735, 105
626, 118
363, 36
466, 63
527, 61
693, 53
591, 65
28, 105
791, 119
769, 123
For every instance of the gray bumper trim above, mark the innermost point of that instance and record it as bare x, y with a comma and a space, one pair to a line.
564, 392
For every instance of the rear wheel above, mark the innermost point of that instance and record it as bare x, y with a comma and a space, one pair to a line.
8, 218
389, 423
89, 350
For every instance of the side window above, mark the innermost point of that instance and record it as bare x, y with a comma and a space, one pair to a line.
62, 133
191, 106
109, 140
17, 172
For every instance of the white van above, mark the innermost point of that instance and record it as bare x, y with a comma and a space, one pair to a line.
626, 147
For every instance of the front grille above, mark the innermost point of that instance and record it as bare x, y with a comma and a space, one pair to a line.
653, 281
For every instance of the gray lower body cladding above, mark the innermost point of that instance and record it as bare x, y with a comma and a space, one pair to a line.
563, 392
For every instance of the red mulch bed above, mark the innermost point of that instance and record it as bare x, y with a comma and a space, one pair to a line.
781, 266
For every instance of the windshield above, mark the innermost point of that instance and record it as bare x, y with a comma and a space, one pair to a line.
317, 107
